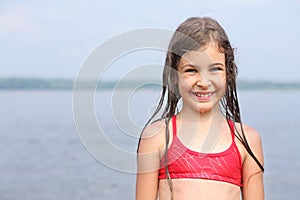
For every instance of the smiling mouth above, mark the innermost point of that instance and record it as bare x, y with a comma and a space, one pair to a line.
203, 95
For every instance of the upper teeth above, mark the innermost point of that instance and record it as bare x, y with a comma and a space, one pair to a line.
202, 95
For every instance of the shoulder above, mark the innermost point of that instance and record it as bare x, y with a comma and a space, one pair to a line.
254, 140
153, 137
252, 136
252, 174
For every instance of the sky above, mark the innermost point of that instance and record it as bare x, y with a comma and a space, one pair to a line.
52, 39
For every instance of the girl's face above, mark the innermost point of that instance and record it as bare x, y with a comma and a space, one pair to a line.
202, 78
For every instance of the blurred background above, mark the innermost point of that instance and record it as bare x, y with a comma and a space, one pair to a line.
43, 47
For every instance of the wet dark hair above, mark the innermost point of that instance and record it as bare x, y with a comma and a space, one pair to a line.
193, 34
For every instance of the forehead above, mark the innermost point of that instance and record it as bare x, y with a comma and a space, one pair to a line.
203, 57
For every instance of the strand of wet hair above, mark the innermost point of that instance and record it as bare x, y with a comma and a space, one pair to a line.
166, 158
241, 137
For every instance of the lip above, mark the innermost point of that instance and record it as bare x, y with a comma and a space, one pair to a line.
203, 96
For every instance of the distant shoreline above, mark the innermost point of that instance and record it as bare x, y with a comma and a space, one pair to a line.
68, 84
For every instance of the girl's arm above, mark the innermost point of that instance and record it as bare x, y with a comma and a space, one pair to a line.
253, 187
149, 161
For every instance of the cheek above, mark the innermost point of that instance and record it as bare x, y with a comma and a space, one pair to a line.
183, 87
224, 82
185, 83
221, 80
223, 87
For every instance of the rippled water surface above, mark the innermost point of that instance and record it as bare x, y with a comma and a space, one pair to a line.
42, 156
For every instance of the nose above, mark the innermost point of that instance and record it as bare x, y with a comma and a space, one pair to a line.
203, 82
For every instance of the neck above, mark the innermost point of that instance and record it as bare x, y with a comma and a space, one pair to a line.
193, 116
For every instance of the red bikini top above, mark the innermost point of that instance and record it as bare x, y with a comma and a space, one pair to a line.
182, 162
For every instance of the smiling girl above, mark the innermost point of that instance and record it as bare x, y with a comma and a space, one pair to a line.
202, 151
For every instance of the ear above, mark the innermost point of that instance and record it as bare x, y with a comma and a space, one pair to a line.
176, 80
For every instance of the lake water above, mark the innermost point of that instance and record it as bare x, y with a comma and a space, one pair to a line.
42, 156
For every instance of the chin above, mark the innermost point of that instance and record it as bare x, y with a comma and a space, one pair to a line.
204, 110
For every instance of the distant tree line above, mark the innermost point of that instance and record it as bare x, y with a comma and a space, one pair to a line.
35, 84
68, 84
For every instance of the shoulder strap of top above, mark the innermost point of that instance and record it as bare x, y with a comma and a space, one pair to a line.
174, 125
231, 125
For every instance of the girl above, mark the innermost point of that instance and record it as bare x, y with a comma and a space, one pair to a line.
203, 151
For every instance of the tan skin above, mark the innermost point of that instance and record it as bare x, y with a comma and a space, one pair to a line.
201, 127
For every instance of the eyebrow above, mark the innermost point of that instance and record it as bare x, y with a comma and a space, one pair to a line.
211, 65
214, 64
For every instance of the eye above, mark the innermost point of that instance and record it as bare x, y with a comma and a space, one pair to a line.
190, 70
216, 69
